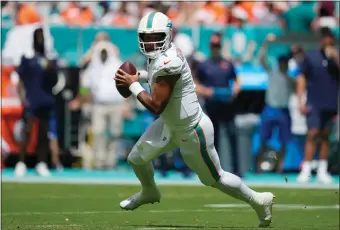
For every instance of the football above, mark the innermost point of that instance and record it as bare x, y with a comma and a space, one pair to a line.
129, 68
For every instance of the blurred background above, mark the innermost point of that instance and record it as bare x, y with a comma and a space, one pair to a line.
65, 89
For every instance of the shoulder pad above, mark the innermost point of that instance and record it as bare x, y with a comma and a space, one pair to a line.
167, 64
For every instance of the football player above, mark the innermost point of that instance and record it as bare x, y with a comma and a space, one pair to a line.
182, 123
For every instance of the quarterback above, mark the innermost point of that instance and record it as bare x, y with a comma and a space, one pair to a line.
182, 123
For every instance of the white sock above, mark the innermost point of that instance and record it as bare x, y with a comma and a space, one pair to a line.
232, 185
145, 174
306, 167
322, 167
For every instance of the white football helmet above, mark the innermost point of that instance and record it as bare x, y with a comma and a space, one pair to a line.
154, 34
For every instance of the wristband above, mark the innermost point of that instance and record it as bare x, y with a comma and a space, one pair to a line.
143, 76
136, 88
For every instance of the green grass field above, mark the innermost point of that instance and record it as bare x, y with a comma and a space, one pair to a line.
58, 206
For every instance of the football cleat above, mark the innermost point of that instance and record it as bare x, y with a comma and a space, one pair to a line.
147, 196
263, 204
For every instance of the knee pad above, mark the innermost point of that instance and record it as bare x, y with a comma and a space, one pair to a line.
135, 158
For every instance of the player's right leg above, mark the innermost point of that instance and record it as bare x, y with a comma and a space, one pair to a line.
198, 150
154, 142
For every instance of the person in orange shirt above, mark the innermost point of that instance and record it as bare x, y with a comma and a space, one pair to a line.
120, 17
248, 7
210, 12
218, 9
86, 16
77, 14
27, 14
11, 111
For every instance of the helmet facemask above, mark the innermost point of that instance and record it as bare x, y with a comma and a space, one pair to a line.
154, 44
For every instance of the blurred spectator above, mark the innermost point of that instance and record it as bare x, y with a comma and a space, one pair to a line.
177, 161
109, 107
122, 18
38, 73
210, 13
247, 7
183, 42
54, 14
27, 14
299, 17
175, 12
325, 16
11, 108
239, 44
320, 78
53, 137
7, 13
214, 82
276, 113
100, 36
106, 15
147, 7
77, 13
267, 13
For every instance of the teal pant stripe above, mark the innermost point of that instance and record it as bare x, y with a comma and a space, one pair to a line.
205, 155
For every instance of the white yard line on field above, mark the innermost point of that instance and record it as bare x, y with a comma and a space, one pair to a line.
276, 206
88, 181
120, 195
221, 208
49, 226
157, 228
54, 226
108, 212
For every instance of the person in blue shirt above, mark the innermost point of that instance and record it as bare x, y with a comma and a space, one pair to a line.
38, 75
217, 83
320, 78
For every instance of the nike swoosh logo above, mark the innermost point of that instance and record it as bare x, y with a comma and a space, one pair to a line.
166, 62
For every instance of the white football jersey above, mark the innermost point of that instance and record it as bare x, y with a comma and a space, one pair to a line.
183, 111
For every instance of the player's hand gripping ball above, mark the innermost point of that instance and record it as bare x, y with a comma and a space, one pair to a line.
125, 76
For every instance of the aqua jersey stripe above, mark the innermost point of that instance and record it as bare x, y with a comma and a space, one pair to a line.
150, 19
205, 155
